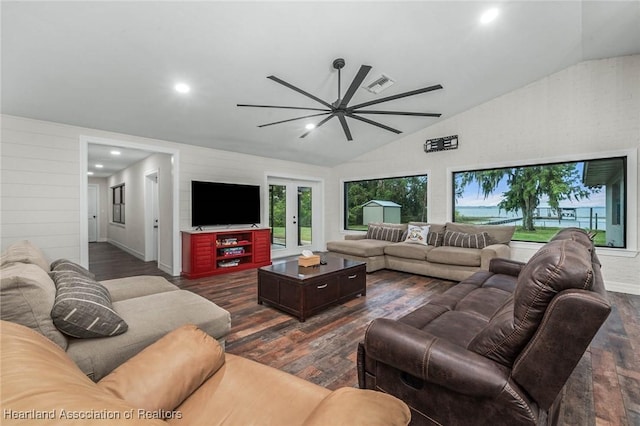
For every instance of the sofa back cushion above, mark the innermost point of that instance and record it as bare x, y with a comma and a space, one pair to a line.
27, 294
499, 233
386, 231
38, 377
24, 252
557, 266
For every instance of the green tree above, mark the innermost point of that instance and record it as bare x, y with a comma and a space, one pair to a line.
527, 185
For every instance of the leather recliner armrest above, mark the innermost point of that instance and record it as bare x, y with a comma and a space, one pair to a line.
166, 372
506, 266
433, 359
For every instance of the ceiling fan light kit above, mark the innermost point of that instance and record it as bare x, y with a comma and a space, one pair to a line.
341, 109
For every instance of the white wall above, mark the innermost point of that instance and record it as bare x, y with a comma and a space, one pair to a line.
592, 108
130, 236
41, 179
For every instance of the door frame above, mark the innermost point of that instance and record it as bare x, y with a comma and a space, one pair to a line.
151, 199
84, 142
318, 227
97, 206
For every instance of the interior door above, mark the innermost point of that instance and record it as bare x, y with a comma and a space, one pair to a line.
293, 206
92, 212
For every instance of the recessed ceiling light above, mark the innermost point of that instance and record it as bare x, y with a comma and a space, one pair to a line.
90, 173
489, 16
114, 152
310, 126
182, 88
99, 166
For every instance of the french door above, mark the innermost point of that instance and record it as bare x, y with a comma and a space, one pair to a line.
293, 213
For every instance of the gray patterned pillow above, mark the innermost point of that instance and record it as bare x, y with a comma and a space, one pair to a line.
61, 265
460, 239
82, 307
384, 233
434, 238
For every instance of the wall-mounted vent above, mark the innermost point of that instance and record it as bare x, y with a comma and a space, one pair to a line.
379, 84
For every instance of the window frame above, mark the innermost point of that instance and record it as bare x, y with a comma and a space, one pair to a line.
120, 206
629, 199
344, 198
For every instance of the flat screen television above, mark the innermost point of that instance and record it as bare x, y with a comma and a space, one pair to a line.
217, 203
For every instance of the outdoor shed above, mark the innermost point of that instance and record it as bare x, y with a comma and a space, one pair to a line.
380, 211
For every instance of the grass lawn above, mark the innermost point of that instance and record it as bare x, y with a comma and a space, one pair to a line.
305, 232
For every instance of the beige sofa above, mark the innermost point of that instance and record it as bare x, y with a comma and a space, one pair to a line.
184, 378
150, 306
451, 261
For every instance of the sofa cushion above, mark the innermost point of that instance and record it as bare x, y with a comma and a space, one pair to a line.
407, 250
385, 231
27, 295
362, 248
501, 234
557, 266
461, 239
82, 307
137, 286
165, 373
39, 378
62, 265
417, 234
24, 252
149, 318
455, 256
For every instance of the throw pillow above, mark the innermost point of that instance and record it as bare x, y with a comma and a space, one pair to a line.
83, 308
435, 238
384, 233
61, 265
417, 235
27, 294
460, 239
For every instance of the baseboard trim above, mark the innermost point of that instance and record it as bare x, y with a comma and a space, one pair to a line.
622, 287
132, 252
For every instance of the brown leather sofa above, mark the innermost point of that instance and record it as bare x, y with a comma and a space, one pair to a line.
497, 348
185, 378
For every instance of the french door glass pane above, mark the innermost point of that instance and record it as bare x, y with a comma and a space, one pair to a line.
304, 216
277, 215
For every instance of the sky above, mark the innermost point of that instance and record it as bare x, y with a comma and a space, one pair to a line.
472, 196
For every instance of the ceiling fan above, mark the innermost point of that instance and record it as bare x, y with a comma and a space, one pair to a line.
341, 109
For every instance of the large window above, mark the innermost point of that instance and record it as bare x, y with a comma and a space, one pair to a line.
117, 199
391, 200
541, 199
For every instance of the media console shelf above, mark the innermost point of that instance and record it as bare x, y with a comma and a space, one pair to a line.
206, 253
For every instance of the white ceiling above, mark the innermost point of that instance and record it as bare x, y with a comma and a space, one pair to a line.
113, 65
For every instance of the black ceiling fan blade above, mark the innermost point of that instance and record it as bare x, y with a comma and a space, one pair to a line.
374, 123
307, 94
284, 107
294, 119
355, 84
318, 125
398, 96
416, 114
345, 126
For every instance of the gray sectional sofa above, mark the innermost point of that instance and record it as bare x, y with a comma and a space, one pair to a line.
452, 251
150, 306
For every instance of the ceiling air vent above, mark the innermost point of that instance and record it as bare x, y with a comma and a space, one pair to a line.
379, 84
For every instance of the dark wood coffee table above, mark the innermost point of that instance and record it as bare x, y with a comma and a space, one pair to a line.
304, 291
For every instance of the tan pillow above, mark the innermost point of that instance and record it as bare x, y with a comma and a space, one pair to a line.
24, 252
27, 294
165, 373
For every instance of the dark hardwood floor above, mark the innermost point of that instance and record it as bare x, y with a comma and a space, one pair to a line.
603, 390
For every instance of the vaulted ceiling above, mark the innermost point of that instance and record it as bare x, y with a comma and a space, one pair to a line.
113, 65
